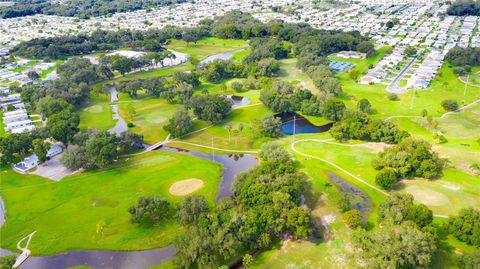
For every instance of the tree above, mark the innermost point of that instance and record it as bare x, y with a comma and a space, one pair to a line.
209, 107
40, 148
395, 246
460, 71
191, 208
410, 158
237, 86
129, 140
15, 143
179, 124
184, 92
33, 75
465, 226
410, 51
247, 261
101, 149
469, 261
366, 47
424, 113
393, 97
386, 178
270, 126
400, 208
353, 218
450, 105
364, 106
333, 110
389, 24
63, 125
298, 220
48, 106
75, 157
228, 127
149, 209
7, 262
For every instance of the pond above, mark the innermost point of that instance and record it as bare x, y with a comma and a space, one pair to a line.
293, 122
233, 164
238, 101
221, 56
358, 199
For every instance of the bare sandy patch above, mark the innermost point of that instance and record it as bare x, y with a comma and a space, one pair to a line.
427, 196
185, 187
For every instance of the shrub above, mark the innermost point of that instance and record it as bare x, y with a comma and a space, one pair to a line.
393, 97
352, 218
386, 178
450, 105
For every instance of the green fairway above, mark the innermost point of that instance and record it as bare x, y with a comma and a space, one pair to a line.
151, 114
67, 214
207, 46
98, 114
290, 73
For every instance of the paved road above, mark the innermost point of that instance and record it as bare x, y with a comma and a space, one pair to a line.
393, 86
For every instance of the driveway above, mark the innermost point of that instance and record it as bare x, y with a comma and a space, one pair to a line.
53, 169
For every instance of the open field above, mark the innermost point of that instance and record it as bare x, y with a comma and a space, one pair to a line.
207, 46
97, 114
456, 189
151, 114
445, 86
290, 73
67, 214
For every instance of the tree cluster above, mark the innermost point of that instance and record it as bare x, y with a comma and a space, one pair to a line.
149, 209
91, 149
213, 108
464, 56
361, 126
266, 205
410, 158
464, 8
404, 240
83, 9
466, 226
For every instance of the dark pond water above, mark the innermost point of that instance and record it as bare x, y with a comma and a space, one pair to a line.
233, 164
238, 101
358, 199
104, 259
294, 122
100, 259
221, 56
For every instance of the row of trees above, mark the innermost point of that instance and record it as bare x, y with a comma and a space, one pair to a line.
464, 8
266, 206
83, 9
361, 126
98, 149
464, 56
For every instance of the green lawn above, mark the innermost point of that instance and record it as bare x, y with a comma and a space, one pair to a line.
445, 86
66, 214
290, 73
2, 130
98, 114
207, 46
150, 117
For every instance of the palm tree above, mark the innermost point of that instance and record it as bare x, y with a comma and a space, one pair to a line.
228, 127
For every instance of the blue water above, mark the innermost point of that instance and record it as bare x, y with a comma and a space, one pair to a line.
302, 125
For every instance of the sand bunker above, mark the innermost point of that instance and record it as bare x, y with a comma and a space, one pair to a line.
185, 187
428, 197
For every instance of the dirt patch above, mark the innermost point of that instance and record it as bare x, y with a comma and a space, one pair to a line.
376, 147
427, 196
185, 187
